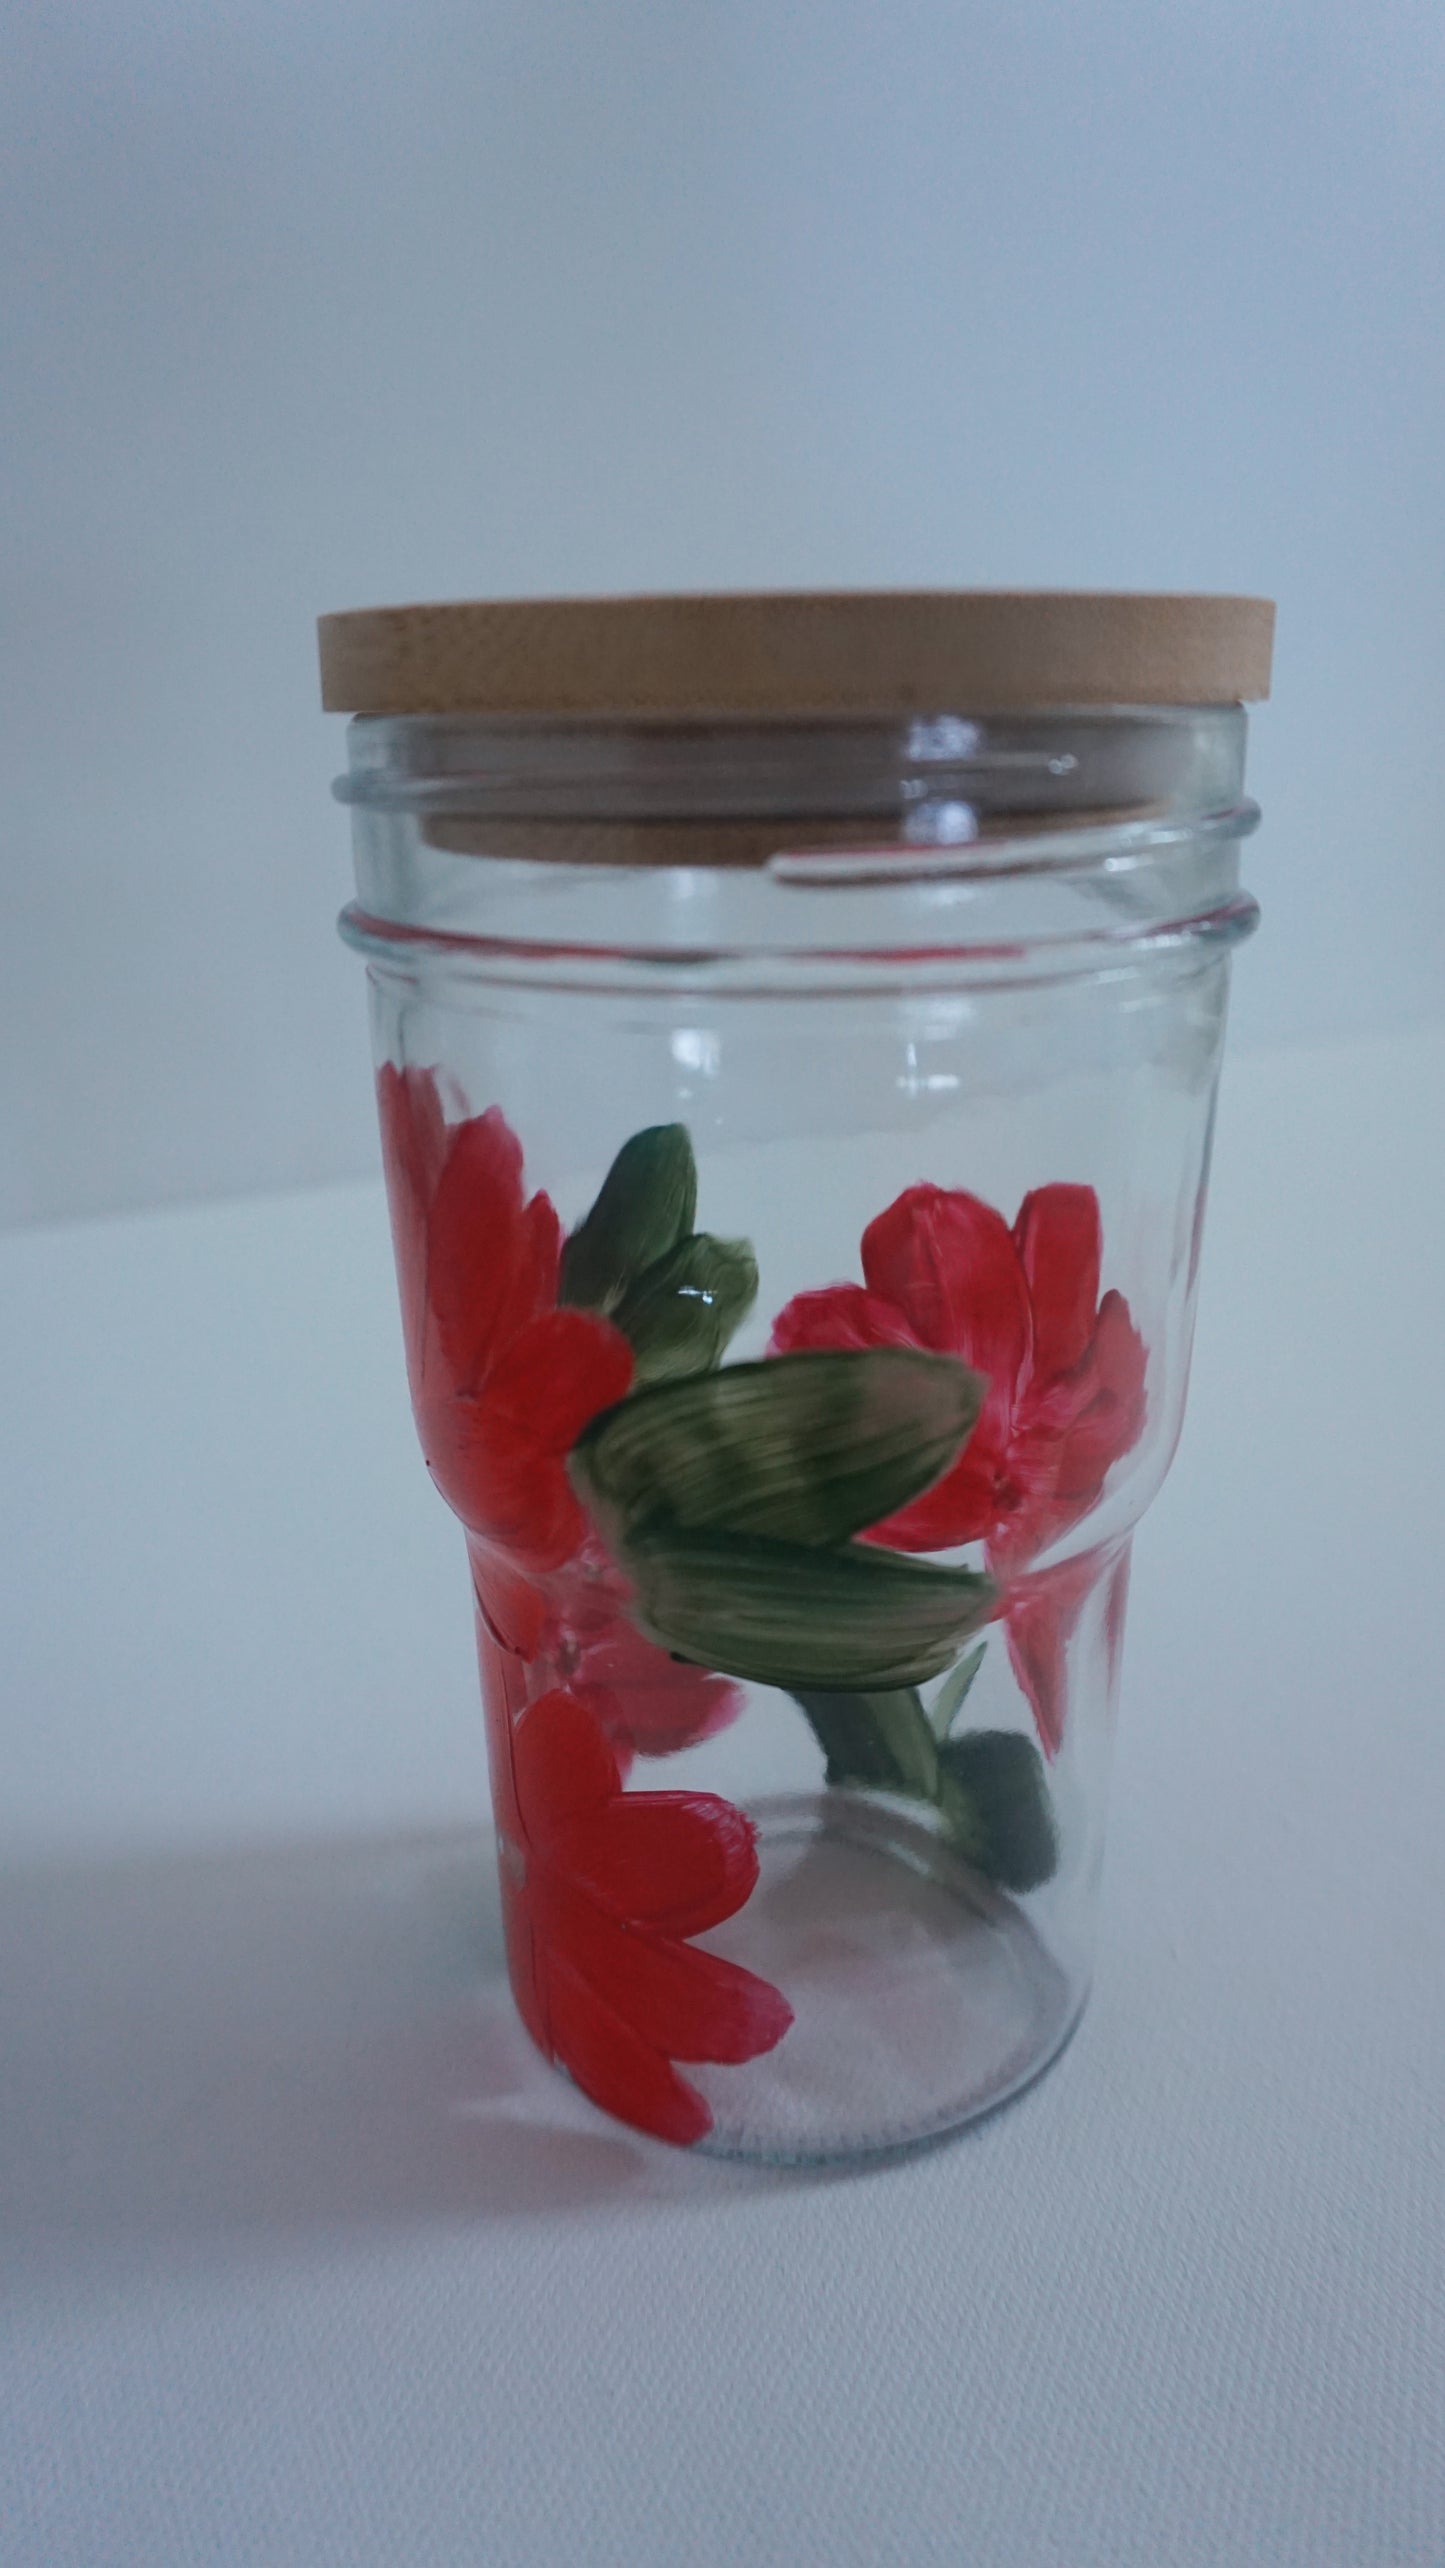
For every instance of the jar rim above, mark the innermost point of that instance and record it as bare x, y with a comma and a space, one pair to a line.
738, 793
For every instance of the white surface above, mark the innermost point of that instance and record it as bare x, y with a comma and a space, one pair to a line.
314, 303
309, 2260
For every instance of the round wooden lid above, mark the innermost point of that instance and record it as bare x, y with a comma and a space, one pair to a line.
803, 653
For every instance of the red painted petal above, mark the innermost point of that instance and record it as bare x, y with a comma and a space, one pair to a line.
504, 1697
413, 1148
689, 2004
660, 1720
555, 1374
1043, 1505
562, 1767
413, 1130
1060, 1245
504, 1488
1040, 1618
1036, 1652
1122, 1358
514, 1611
842, 1315
962, 1507
498, 1458
678, 1861
948, 1262
654, 1702
475, 1247
538, 1253
612, 2065
590, 1877
1070, 1432
524, 1964
1111, 1422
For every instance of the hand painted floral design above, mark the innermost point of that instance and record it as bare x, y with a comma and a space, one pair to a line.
503, 1381
508, 1363
649, 1525
601, 1890
1065, 1399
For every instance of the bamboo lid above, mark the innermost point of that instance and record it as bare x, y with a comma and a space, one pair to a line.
806, 654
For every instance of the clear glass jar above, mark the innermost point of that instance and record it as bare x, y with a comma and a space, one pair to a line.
796, 1129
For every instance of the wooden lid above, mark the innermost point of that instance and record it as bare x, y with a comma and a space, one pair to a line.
819, 654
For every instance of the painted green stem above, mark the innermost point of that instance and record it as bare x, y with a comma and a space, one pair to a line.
988, 1786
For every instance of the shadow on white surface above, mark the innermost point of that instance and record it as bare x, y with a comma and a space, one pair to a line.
220, 2046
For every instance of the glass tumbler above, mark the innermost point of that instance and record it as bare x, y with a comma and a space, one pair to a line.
797, 1023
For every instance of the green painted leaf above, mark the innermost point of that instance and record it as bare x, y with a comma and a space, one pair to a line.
647, 1203
681, 1311
876, 1742
989, 1787
953, 1693
854, 1621
995, 1804
802, 1448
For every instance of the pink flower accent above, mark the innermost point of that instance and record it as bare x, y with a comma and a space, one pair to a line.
1065, 1400
600, 1890
645, 1700
573, 1629
502, 1381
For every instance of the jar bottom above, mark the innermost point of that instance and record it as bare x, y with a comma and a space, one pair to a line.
923, 1997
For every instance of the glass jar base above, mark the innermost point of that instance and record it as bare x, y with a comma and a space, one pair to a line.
922, 1996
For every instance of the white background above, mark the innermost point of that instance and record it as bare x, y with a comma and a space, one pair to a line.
309, 305
306, 2257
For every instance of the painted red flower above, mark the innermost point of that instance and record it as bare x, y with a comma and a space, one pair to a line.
601, 1888
502, 1381
1065, 1399
574, 1629
645, 1699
